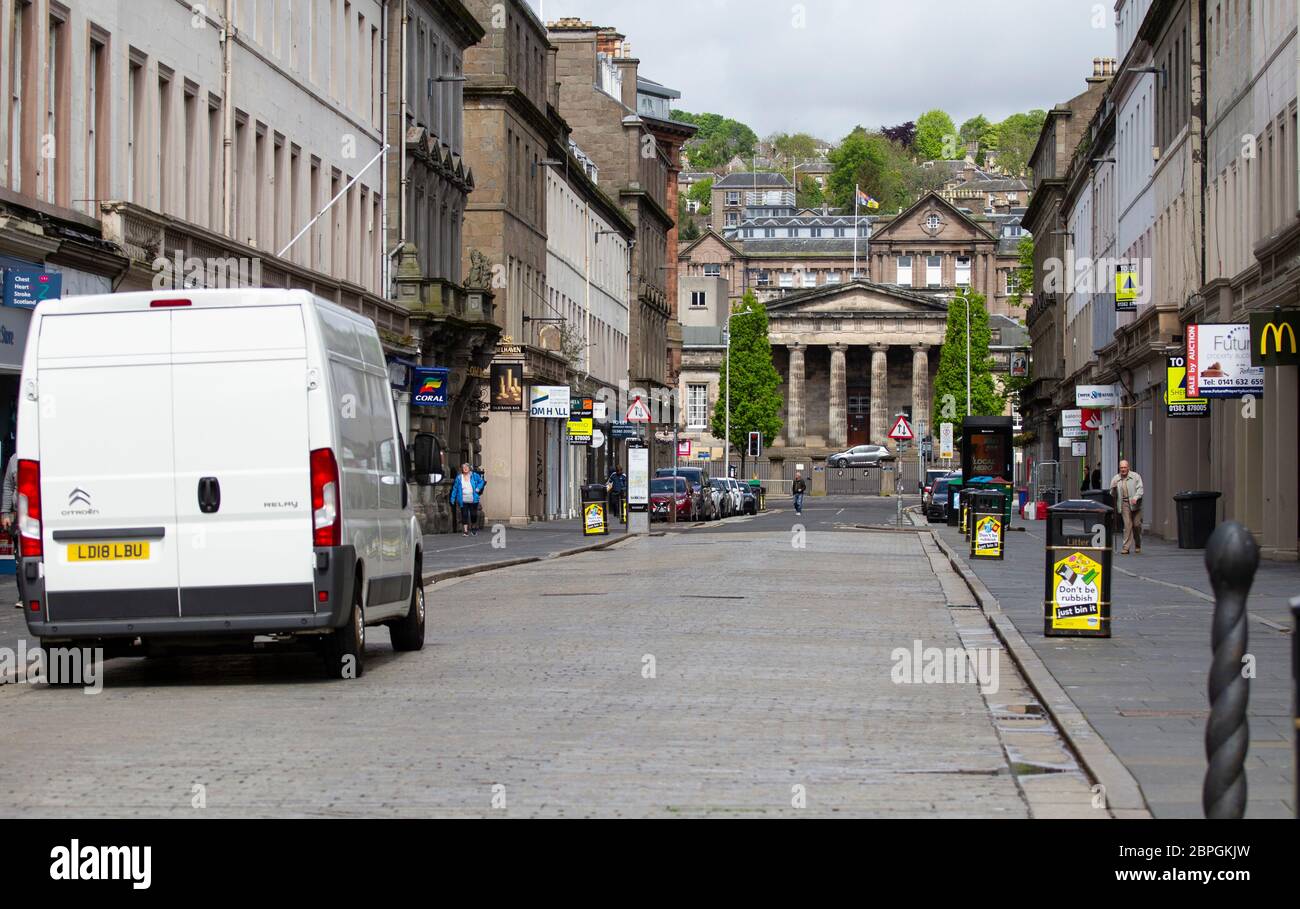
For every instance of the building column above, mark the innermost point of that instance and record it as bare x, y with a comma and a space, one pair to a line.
921, 390
839, 416
879, 393
795, 431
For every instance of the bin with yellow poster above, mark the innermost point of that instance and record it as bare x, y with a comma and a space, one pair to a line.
1080, 542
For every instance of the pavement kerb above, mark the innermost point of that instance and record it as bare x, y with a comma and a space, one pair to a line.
1122, 793
467, 570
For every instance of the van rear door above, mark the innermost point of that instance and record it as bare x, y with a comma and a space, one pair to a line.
242, 481
105, 434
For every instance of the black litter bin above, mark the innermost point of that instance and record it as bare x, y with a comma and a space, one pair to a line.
595, 510
1197, 516
1099, 495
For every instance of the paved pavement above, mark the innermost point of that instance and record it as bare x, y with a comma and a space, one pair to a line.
1144, 690
772, 686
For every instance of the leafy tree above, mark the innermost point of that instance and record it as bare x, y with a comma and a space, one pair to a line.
934, 132
904, 134
1016, 137
793, 147
718, 141
1020, 283
950, 380
979, 130
755, 398
810, 193
702, 193
884, 169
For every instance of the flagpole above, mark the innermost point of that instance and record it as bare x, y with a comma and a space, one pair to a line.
857, 190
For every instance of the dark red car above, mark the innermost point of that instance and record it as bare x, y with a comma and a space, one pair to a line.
669, 492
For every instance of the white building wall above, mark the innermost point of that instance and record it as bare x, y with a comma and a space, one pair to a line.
304, 76
572, 251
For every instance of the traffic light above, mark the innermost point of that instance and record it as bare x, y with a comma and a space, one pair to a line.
755, 444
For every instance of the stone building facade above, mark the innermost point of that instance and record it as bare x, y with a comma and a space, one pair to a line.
427, 173
512, 128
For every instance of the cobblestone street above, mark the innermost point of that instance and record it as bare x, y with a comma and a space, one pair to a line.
532, 697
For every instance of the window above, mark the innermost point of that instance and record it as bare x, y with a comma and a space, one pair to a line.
832, 277
216, 163
733, 197
189, 162
963, 271
932, 222
934, 271
816, 231
839, 231
769, 232
749, 232
135, 134
904, 278
792, 232
18, 88
97, 120
733, 219
57, 95
164, 157
699, 299
712, 270
787, 279
697, 406
764, 278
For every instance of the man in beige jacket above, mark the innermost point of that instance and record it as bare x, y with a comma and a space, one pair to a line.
1126, 487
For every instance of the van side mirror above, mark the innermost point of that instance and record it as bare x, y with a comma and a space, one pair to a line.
426, 459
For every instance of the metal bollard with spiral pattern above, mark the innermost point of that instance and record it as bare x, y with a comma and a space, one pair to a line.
1232, 557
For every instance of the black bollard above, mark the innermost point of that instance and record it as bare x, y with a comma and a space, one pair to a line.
1232, 558
1295, 695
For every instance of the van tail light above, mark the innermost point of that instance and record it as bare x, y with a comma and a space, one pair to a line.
326, 518
29, 507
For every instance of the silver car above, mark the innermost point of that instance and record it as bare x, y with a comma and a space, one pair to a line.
861, 456
735, 497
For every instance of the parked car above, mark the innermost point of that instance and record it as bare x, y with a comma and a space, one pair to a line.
667, 493
735, 498
936, 506
707, 506
861, 456
748, 499
931, 475
256, 483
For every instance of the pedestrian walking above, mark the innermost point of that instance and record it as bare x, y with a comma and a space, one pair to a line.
1096, 478
616, 486
1126, 489
466, 491
8, 519
799, 488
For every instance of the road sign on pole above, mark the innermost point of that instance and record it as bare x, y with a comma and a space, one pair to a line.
902, 431
945, 441
638, 412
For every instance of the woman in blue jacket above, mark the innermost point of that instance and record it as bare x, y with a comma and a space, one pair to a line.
466, 491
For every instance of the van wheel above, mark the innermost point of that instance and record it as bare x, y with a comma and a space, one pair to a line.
344, 650
408, 632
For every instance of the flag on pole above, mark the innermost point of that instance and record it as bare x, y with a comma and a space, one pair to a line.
866, 201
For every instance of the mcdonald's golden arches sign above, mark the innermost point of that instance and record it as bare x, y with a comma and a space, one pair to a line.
1275, 338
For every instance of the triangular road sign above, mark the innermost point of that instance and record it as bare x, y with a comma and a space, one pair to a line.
638, 412
902, 431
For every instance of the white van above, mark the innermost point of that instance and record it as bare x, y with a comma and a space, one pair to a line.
208, 467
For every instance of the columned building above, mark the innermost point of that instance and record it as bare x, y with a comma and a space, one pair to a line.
851, 358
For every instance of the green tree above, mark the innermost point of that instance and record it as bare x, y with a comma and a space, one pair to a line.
793, 148
950, 380
755, 398
1015, 139
1020, 283
718, 141
702, 194
935, 136
884, 170
979, 130
810, 193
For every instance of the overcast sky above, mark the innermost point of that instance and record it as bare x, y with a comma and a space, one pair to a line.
868, 62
